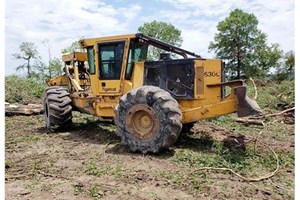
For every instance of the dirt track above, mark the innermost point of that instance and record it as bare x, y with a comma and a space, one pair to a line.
88, 162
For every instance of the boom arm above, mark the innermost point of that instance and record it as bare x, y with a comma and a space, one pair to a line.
165, 46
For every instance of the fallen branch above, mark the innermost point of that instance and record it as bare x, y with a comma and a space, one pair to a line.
243, 177
280, 113
249, 121
51, 175
21, 176
255, 89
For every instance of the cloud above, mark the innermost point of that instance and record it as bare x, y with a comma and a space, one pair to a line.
198, 20
63, 21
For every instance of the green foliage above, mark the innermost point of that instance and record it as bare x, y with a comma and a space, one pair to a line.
266, 58
94, 191
43, 72
161, 31
273, 95
75, 46
38, 71
286, 71
28, 51
244, 47
22, 90
54, 68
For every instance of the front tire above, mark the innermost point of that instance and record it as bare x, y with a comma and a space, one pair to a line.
148, 119
57, 109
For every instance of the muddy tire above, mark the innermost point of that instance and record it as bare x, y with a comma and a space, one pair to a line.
148, 119
57, 109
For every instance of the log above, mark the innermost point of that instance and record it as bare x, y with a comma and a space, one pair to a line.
249, 121
19, 109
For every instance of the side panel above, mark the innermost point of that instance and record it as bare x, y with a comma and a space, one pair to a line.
208, 72
208, 101
137, 75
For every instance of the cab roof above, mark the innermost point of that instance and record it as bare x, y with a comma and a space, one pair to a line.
92, 41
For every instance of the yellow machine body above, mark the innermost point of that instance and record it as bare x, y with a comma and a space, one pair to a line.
98, 94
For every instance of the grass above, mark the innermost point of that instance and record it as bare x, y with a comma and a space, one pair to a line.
223, 158
273, 95
251, 163
93, 169
32, 185
30, 138
35, 165
95, 192
9, 164
227, 121
170, 177
78, 189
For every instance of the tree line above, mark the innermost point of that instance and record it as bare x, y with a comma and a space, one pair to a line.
238, 42
244, 48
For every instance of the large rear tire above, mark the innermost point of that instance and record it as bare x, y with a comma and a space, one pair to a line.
57, 109
148, 119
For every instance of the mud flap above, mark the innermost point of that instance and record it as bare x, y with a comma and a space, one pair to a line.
246, 106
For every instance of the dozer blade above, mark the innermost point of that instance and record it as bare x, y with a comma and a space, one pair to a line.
246, 106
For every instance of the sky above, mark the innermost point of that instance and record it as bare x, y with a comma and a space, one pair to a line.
63, 21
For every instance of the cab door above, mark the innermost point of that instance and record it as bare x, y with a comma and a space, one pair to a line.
110, 57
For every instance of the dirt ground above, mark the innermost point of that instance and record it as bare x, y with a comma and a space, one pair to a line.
88, 162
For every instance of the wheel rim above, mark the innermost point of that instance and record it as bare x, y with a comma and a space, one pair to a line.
142, 121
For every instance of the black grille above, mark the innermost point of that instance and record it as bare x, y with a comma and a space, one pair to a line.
175, 76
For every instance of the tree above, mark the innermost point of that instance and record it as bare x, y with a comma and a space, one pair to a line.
243, 46
161, 31
289, 64
28, 51
75, 46
44, 72
286, 71
55, 68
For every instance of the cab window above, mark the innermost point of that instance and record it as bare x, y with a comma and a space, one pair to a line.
110, 57
91, 60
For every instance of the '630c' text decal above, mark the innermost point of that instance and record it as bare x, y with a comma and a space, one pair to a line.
211, 74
